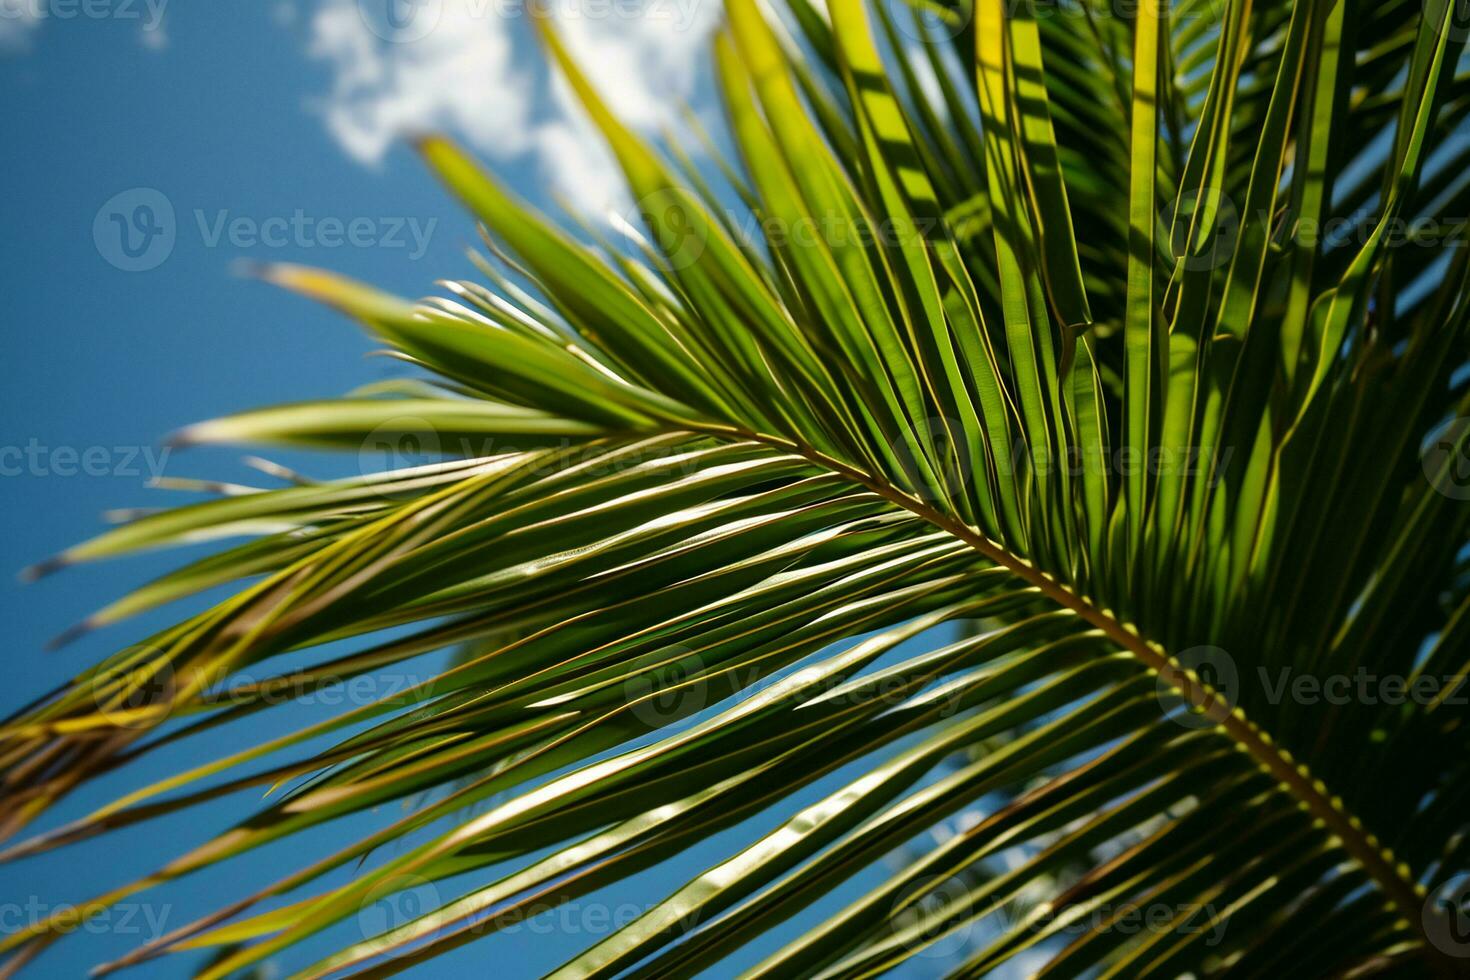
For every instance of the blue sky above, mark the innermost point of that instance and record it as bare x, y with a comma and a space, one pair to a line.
147, 149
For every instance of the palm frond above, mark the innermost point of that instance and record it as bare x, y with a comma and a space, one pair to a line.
1045, 341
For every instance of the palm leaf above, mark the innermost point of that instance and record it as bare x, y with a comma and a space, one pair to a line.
1036, 429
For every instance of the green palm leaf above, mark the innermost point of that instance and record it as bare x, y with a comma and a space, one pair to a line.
1059, 377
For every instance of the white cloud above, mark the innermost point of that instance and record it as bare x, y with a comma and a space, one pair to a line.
458, 77
17, 22
471, 67
578, 167
644, 63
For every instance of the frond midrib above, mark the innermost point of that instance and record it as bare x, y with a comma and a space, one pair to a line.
1393, 879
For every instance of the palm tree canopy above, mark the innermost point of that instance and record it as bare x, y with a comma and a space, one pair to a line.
1114, 359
